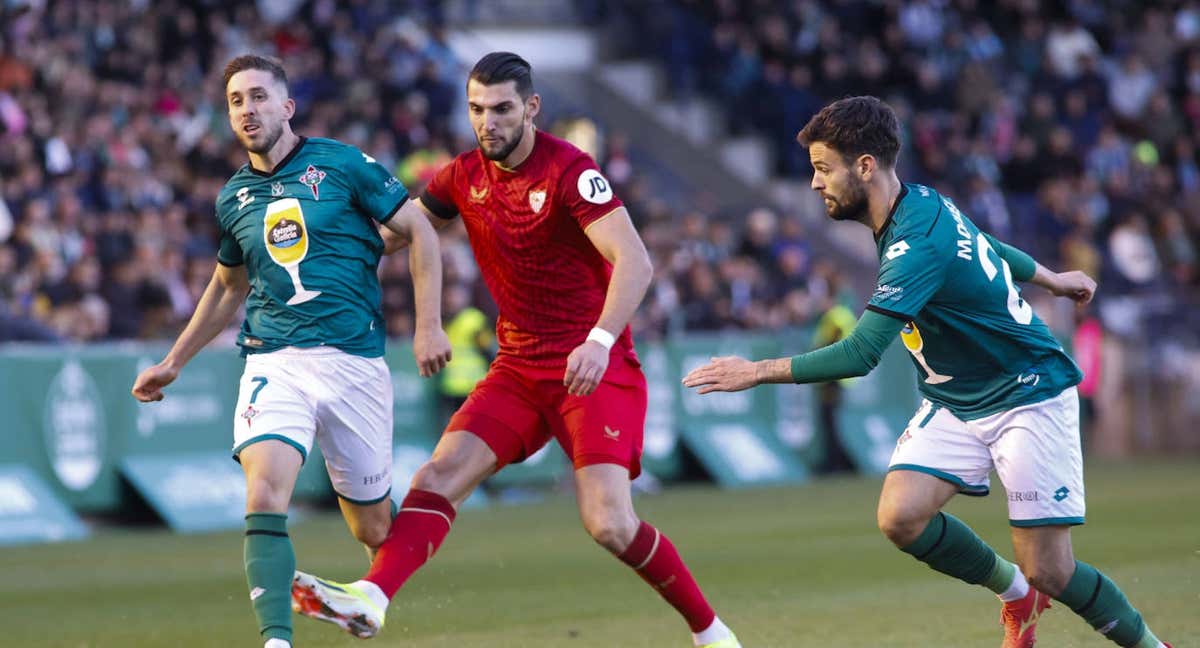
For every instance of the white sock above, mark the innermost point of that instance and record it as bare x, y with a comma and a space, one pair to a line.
277, 643
1016, 591
373, 592
715, 631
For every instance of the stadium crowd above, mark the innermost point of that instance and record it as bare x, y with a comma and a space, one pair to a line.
1068, 128
1056, 129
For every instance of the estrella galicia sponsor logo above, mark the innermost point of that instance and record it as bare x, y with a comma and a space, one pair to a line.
1022, 496
885, 292
1062, 493
73, 424
286, 233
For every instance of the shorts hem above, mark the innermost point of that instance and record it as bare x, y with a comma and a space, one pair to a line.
365, 502
270, 437
1050, 521
963, 487
593, 459
489, 432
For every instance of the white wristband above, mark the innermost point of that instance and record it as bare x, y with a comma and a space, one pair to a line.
605, 338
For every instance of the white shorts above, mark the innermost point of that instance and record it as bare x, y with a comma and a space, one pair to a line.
342, 401
1034, 449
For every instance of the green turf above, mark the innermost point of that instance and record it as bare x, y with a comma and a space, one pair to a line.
784, 567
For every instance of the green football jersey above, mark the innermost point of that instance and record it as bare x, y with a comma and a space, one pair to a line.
307, 234
977, 346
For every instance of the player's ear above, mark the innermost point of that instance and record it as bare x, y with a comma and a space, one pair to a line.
865, 166
533, 105
289, 108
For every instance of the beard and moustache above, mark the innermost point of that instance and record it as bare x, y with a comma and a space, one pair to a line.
852, 205
270, 137
506, 149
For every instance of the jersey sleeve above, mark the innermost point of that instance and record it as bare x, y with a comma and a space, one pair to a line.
1022, 265
585, 192
438, 196
912, 271
229, 251
376, 191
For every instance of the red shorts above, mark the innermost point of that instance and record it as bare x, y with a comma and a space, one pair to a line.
517, 408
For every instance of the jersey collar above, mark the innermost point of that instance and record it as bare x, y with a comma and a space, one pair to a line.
895, 206
282, 163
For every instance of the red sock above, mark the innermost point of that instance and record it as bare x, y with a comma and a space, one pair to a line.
417, 532
655, 559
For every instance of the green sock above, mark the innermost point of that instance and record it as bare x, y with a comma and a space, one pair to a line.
951, 547
1002, 576
1101, 603
270, 564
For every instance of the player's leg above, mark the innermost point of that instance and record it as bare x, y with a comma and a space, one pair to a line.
602, 433
606, 508
273, 428
497, 425
271, 468
1038, 458
354, 430
936, 457
369, 524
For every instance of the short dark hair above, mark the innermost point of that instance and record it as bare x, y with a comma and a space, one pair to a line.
256, 62
856, 126
499, 67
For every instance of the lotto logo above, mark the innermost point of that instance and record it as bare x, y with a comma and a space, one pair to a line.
1061, 494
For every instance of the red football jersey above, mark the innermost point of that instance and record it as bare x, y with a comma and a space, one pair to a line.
526, 229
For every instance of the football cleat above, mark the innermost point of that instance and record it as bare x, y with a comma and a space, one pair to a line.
728, 642
343, 605
1020, 618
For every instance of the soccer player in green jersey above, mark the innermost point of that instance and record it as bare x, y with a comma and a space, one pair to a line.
300, 246
999, 390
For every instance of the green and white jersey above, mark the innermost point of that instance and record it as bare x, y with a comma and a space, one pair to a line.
977, 346
307, 232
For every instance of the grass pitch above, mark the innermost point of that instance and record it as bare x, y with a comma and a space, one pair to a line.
784, 567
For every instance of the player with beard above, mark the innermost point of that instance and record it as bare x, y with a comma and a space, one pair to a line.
560, 255
999, 389
300, 246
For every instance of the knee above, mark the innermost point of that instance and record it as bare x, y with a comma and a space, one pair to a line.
371, 534
1048, 577
266, 496
901, 526
613, 530
434, 476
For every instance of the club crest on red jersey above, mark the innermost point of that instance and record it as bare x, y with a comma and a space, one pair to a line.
537, 198
312, 177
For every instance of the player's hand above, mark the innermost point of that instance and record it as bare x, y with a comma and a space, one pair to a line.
1075, 285
726, 374
585, 368
431, 348
149, 384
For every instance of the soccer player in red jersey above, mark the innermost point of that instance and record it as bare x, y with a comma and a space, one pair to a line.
561, 257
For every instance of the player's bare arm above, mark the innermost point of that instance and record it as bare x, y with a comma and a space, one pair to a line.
616, 239
219, 303
394, 241
1073, 284
855, 355
431, 347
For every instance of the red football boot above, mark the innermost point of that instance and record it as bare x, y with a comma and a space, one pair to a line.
1020, 618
